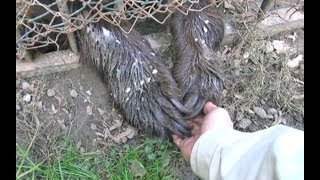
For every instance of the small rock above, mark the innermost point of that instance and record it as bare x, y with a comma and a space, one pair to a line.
132, 133
73, 93
88, 92
39, 105
26, 98
130, 136
89, 110
244, 123
18, 108
246, 55
249, 111
272, 111
25, 86
269, 47
294, 63
260, 112
82, 150
51, 92
280, 46
93, 126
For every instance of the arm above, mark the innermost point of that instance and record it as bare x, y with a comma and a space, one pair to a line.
274, 153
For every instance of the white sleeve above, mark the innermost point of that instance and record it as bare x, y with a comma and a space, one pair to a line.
273, 153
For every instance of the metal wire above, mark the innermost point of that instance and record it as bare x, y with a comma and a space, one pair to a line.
39, 24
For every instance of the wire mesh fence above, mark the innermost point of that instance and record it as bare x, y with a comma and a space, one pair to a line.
42, 23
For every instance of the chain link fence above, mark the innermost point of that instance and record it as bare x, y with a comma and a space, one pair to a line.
42, 23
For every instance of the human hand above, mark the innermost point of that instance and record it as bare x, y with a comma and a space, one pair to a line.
214, 118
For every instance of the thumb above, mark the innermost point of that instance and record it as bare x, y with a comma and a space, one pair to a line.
208, 107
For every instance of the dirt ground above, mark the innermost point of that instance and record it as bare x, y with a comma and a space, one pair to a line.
261, 90
89, 119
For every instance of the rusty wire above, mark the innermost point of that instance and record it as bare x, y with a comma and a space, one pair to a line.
36, 21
